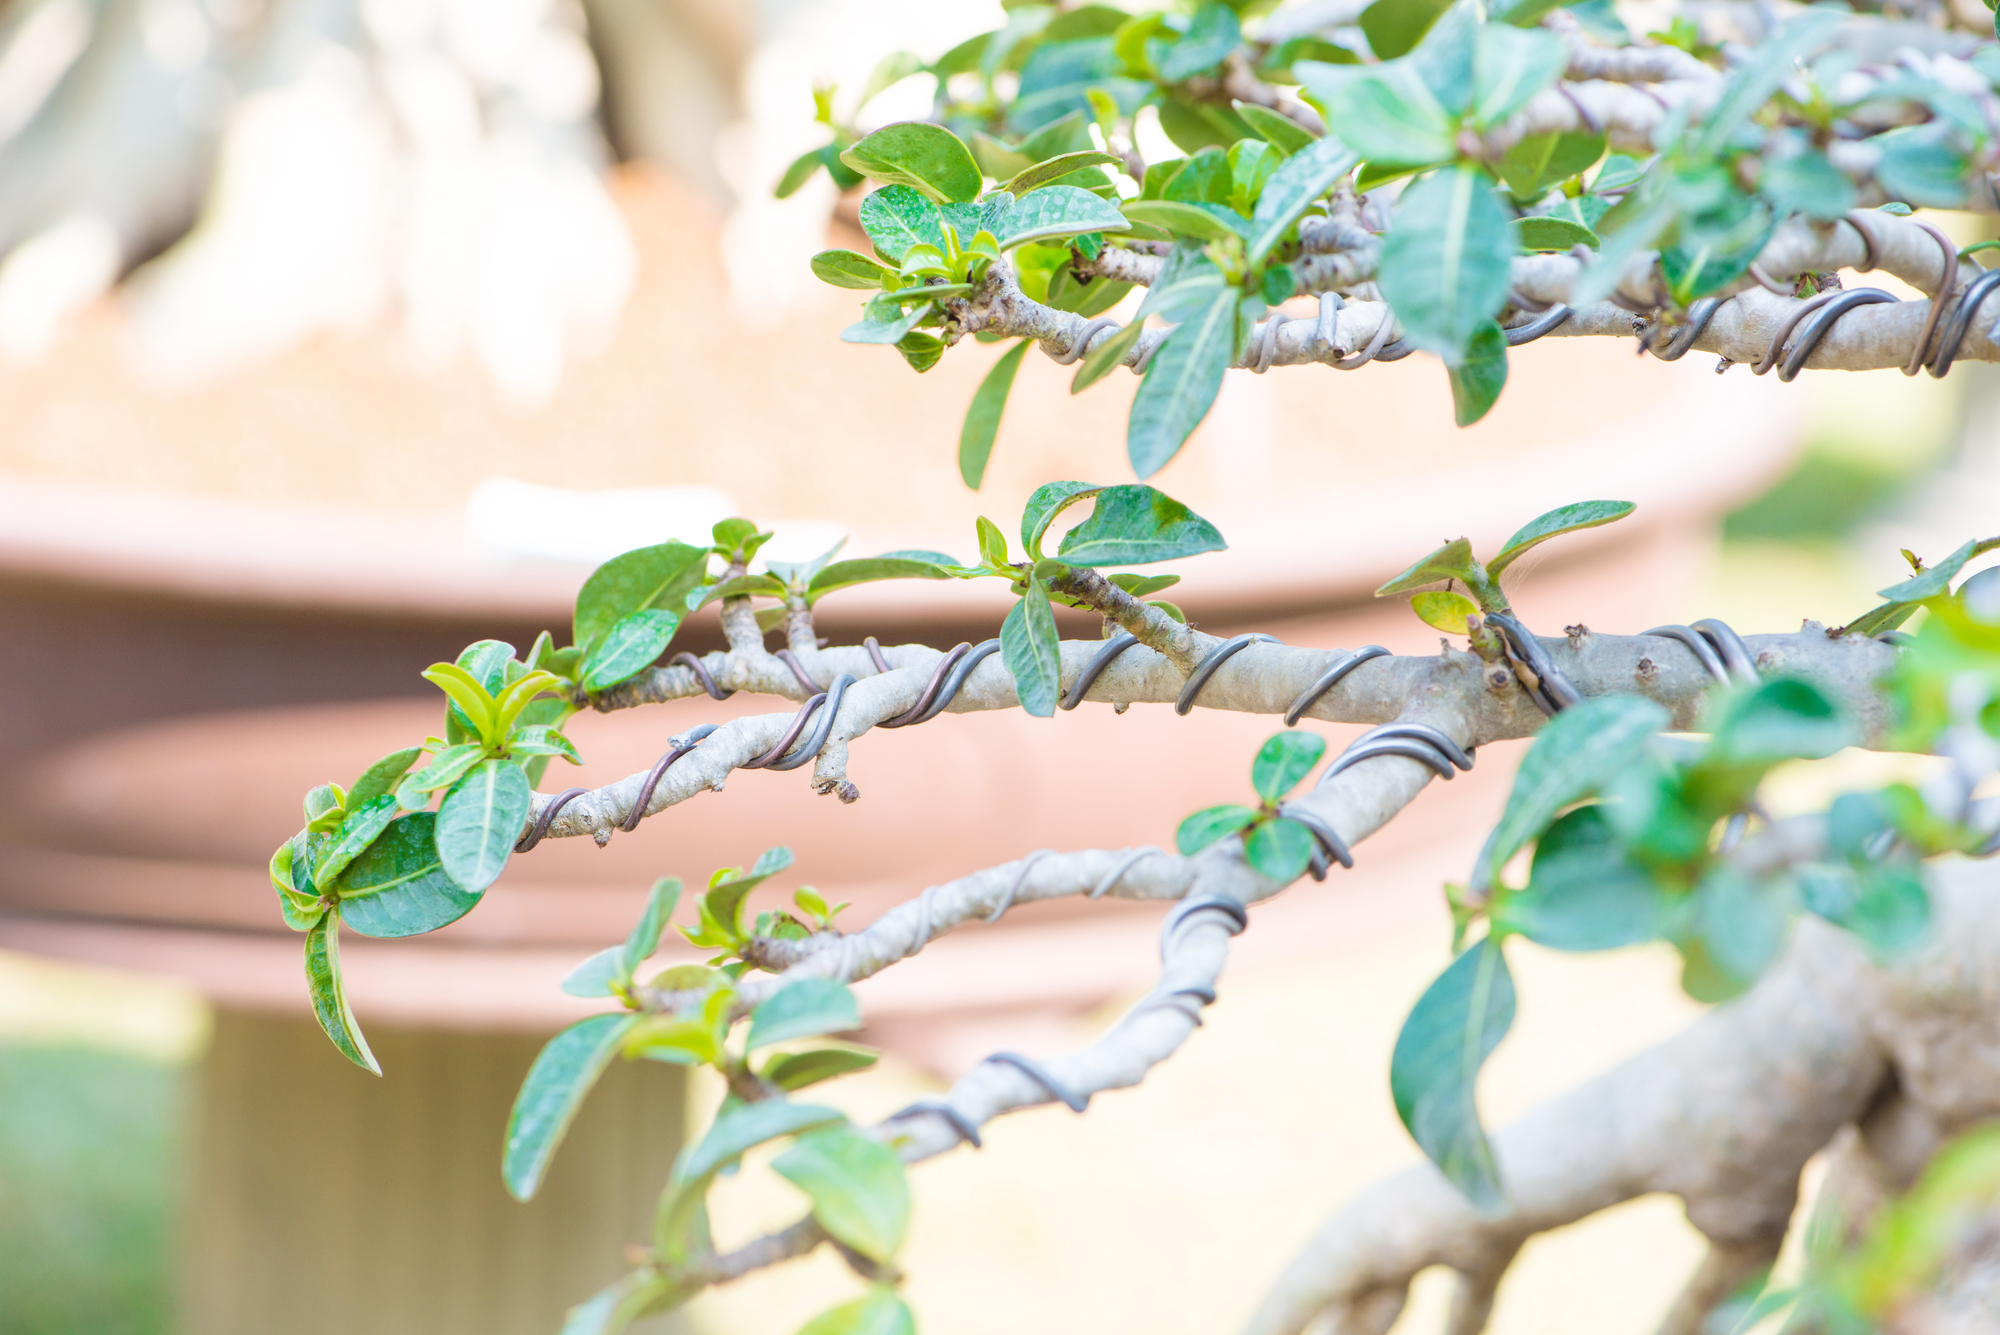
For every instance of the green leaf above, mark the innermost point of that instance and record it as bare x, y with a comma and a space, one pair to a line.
471, 699
1211, 36
1057, 210
866, 570
541, 739
803, 1009
1754, 82
982, 415
1205, 222
1446, 263
882, 1312
1394, 27
1583, 892
1206, 826
1181, 383
329, 997
593, 977
644, 938
1476, 383
1107, 356
1135, 525
1538, 161
1278, 848
1554, 234
1740, 926
1885, 904
1055, 85
360, 828
1281, 132
1088, 297
871, 329
1384, 112
1283, 760
1806, 182
1049, 500
921, 155
1784, 719
1188, 284
1562, 519
616, 1306
1937, 579
796, 175
744, 1128
896, 218
323, 800
445, 769
1451, 561
1921, 164
297, 898
845, 268
399, 887
1299, 180
1054, 169
992, 543
858, 1189
1139, 586
381, 777
1194, 125
1456, 1025
1509, 66
649, 577
1575, 753
1444, 611
555, 1088
631, 646
1031, 650
479, 821
729, 888
799, 1069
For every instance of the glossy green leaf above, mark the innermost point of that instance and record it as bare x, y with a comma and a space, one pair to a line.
1782, 719
362, 825
882, 1312
1031, 650
329, 995
923, 156
1444, 611
479, 822
1057, 211
867, 570
323, 800
858, 1189
1302, 178
399, 886
1049, 500
1575, 753
1477, 381
804, 1009
1283, 760
1451, 561
1135, 525
473, 701
1446, 262
1278, 848
1456, 1025
1937, 579
1204, 222
445, 769
982, 415
1509, 66
540, 739
800, 1069
1053, 170
1280, 131
562, 1075
381, 777
1206, 826
845, 268
1558, 234
1181, 383
896, 218
485, 661
1562, 519
631, 646
658, 576
298, 901
1140, 586
1583, 892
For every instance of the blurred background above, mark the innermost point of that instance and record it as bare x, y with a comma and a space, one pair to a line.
335, 334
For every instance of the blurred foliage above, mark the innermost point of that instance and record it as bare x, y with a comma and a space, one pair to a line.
91, 1146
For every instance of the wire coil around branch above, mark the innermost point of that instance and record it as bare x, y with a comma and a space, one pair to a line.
1550, 690
1217, 656
1329, 679
1420, 742
682, 744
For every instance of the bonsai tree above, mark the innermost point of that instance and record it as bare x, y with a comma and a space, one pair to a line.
1351, 185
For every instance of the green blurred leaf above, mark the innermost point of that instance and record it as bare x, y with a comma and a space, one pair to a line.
1782, 719
726, 892
1053, 170
1194, 125
1280, 131
1135, 525
1302, 178
845, 268
1206, 826
1509, 66
1575, 753
329, 996
873, 329
562, 1075
1583, 892
800, 1069
1447, 261
1385, 112
1212, 34
1456, 1025
644, 937
593, 977
1394, 27
921, 155
631, 646
803, 1009
742, 1129
1278, 848
1806, 182
796, 175
1741, 924
1538, 161
1754, 82
1558, 234
1181, 382
1283, 760
647, 578
867, 570
1106, 356
1477, 381
616, 1306
882, 1312
479, 821
857, 1185
982, 415
399, 886
1884, 904
1922, 164
1563, 519
1206, 222
1937, 579
1031, 650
